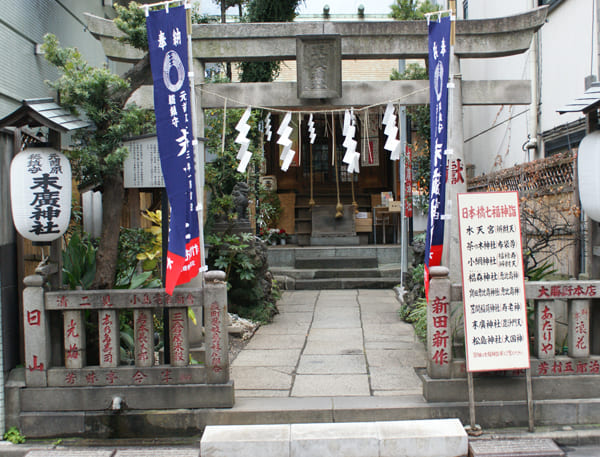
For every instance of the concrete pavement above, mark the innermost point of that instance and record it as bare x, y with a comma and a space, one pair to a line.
332, 343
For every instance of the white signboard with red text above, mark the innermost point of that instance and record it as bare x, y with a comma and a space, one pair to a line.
495, 311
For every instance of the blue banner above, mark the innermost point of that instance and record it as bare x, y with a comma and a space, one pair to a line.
439, 67
167, 42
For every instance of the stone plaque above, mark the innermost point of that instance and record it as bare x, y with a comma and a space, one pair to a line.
511, 448
319, 66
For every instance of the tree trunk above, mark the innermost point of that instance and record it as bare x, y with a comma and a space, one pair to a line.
112, 205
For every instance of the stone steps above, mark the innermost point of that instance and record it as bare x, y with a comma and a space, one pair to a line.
346, 283
336, 263
336, 267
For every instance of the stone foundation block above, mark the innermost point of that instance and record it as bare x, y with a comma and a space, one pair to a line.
420, 438
246, 441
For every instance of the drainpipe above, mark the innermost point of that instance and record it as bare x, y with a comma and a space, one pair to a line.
533, 144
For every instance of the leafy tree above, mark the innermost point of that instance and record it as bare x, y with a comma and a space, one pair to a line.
97, 156
409, 10
266, 11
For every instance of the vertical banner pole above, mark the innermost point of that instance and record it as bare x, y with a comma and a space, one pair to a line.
198, 161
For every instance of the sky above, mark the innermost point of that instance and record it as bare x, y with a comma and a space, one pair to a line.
316, 6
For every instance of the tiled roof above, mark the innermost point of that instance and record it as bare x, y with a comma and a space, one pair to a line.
43, 112
589, 100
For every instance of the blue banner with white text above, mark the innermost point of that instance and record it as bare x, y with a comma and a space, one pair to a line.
439, 67
167, 42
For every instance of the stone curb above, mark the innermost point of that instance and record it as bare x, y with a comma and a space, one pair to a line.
420, 438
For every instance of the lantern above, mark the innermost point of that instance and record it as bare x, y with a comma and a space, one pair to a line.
40, 189
588, 171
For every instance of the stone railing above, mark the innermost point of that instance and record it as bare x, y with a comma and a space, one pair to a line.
562, 313
72, 307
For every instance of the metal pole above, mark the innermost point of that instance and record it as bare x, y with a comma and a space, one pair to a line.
471, 388
403, 219
530, 411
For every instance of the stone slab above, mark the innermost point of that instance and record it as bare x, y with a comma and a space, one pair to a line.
344, 347
287, 317
278, 378
515, 448
420, 438
339, 320
331, 386
113, 299
357, 439
126, 376
267, 393
511, 388
334, 334
387, 358
285, 308
246, 441
332, 364
267, 358
397, 379
288, 328
70, 453
157, 452
427, 438
380, 317
268, 341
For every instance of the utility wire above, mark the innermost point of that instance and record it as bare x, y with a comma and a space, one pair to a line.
497, 125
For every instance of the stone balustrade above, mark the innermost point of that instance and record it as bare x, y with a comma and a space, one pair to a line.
563, 329
77, 308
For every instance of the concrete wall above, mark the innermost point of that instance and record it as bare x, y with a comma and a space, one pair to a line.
23, 25
500, 147
565, 58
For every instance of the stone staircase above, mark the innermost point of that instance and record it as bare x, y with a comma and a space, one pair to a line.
335, 267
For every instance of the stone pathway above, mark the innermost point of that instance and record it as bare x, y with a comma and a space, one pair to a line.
331, 343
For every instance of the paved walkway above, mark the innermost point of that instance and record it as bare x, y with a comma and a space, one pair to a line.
331, 343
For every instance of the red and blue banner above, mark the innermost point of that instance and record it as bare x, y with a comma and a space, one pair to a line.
167, 42
439, 67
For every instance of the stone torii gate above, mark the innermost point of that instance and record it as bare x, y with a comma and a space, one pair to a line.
475, 39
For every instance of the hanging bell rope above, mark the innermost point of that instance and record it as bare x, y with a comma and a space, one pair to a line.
339, 208
354, 203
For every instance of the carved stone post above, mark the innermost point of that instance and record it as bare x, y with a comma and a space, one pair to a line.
178, 332
545, 329
108, 331
37, 332
144, 336
439, 341
215, 328
74, 337
579, 328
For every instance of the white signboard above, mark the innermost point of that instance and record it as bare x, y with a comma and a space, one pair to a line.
495, 311
142, 165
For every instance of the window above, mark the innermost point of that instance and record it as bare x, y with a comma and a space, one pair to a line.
465, 9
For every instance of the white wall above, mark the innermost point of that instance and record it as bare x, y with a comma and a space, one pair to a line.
501, 146
566, 58
23, 25
567, 54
